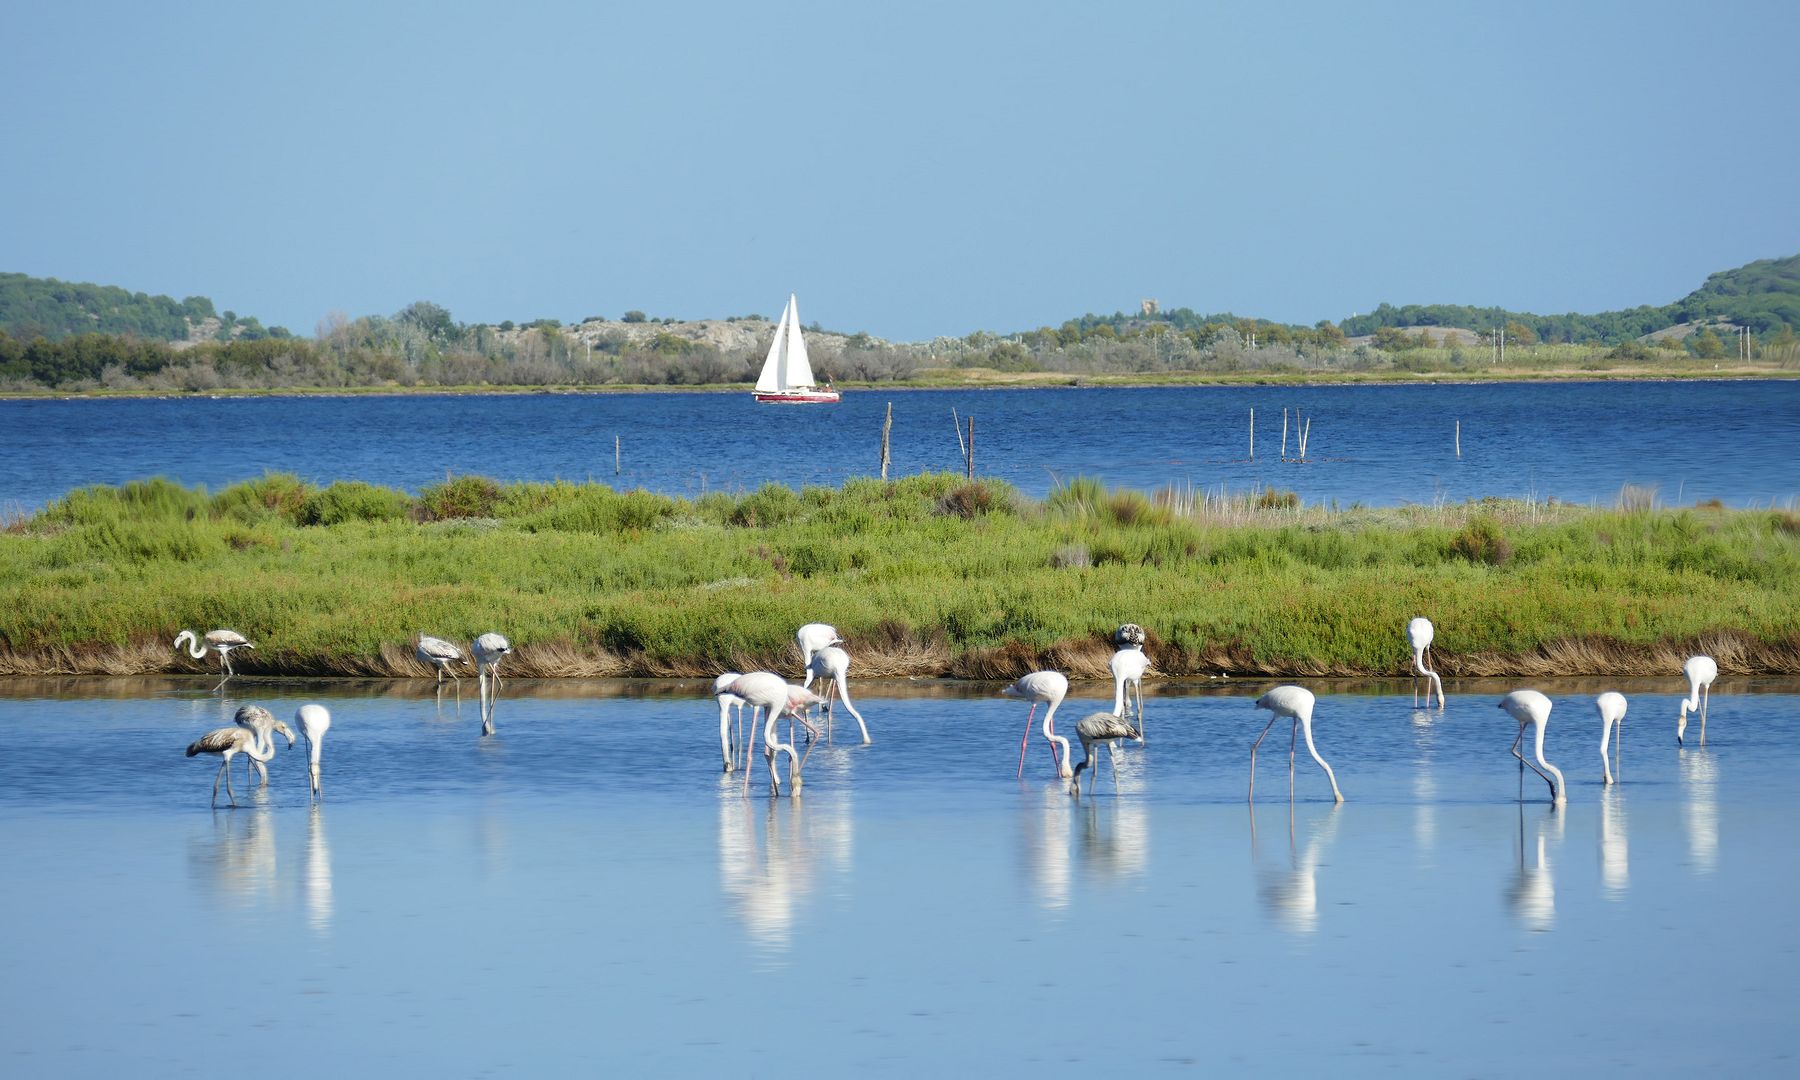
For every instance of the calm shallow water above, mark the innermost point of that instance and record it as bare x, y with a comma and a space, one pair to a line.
1378, 445
584, 890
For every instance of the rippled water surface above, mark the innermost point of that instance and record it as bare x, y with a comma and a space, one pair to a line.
1378, 445
584, 891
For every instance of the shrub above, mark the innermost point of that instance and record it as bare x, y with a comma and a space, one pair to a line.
353, 500
771, 504
972, 500
1481, 542
459, 497
1271, 499
274, 494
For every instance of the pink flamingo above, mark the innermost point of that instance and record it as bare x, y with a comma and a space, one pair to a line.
1041, 687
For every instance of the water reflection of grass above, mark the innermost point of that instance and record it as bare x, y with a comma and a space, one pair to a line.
926, 576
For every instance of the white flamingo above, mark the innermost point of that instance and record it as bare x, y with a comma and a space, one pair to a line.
1611, 707
314, 721
229, 742
832, 667
1533, 708
1296, 703
1043, 687
219, 641
1100, 727
727, 702
770, 692
1700, 672
262, 722
489, 649
1419, 633
439, 654
811, 638
1128, 667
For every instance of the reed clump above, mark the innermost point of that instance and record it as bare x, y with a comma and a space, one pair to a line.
929, 575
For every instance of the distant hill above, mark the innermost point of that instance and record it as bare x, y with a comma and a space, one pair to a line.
32, 307
1763, 295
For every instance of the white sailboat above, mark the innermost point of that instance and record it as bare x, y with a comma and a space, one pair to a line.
787, 376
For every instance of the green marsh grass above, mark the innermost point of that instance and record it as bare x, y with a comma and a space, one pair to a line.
928, 575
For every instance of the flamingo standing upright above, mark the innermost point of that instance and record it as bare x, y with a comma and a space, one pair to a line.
811, 638
770, 692
1419, 633
262, 722
1100, 727
1296, 703
1533, 708
1700, 672
489, 649
314, 721
228, 742
1611, 707
219, 641
439, 654
1128, 667
727, 702
832, 667
1043, 687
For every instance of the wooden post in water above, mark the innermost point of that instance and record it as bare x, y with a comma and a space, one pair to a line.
886, 427
1252, 434
1459, 438
1284, 434
1305, 433
615, 455
971, 458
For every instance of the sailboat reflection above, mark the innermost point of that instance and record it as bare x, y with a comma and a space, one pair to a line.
238, 860
1045, 829
768, 877
315, 872
1532, 892
1615, 860
1700, 807
1290, 893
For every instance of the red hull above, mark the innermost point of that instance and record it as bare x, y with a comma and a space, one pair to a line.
798, 397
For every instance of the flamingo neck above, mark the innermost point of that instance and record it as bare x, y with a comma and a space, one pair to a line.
1538, 746
194, 648
1119, 681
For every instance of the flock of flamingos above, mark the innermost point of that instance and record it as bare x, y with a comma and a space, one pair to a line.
773, 697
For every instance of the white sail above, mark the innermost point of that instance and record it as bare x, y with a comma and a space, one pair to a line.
771, 379
798, 375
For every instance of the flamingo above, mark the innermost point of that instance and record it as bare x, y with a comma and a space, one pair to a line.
1419, 633
1531, 707
228, 742
1296, 703
439, 654
1128, 667
1700, 672
314, 721
262, 722
1611, 707
811, 638
770, 692
1100, 727
728, 701
1042, 687
833, 663
219, 641
489, 649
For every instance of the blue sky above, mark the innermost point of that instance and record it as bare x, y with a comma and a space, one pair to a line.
909, 169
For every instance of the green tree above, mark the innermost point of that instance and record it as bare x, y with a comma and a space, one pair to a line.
1517, 333
635, 316
1706, 345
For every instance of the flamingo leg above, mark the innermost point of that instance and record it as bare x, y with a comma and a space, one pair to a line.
1253, 746
228, 791
1605, 759
1112, 756
1705, 700
1523, 763
1025, 739
749, 752
1293, 740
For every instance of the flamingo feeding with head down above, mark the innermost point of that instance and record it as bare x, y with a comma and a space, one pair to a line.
1531, 707
1128, 667
314, 721
1700, 672
489, 649
1296, 703
727, 702
1100, 727
439, 654
263, 724
1419, 633
811, 638
1039, 688
219, 641
1611, 707
770, 692
832, 667
229, 742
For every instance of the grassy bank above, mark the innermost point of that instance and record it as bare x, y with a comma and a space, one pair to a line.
924, 576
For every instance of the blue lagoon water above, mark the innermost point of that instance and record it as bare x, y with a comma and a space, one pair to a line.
585, 891
1377, 445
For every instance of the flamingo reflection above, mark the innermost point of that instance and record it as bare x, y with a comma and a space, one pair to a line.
1700, 807
1532, 892
1615, 856
1290, 894
770, 854
1424, 781
1115, 843
315, 872
1044, 833
238, 860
